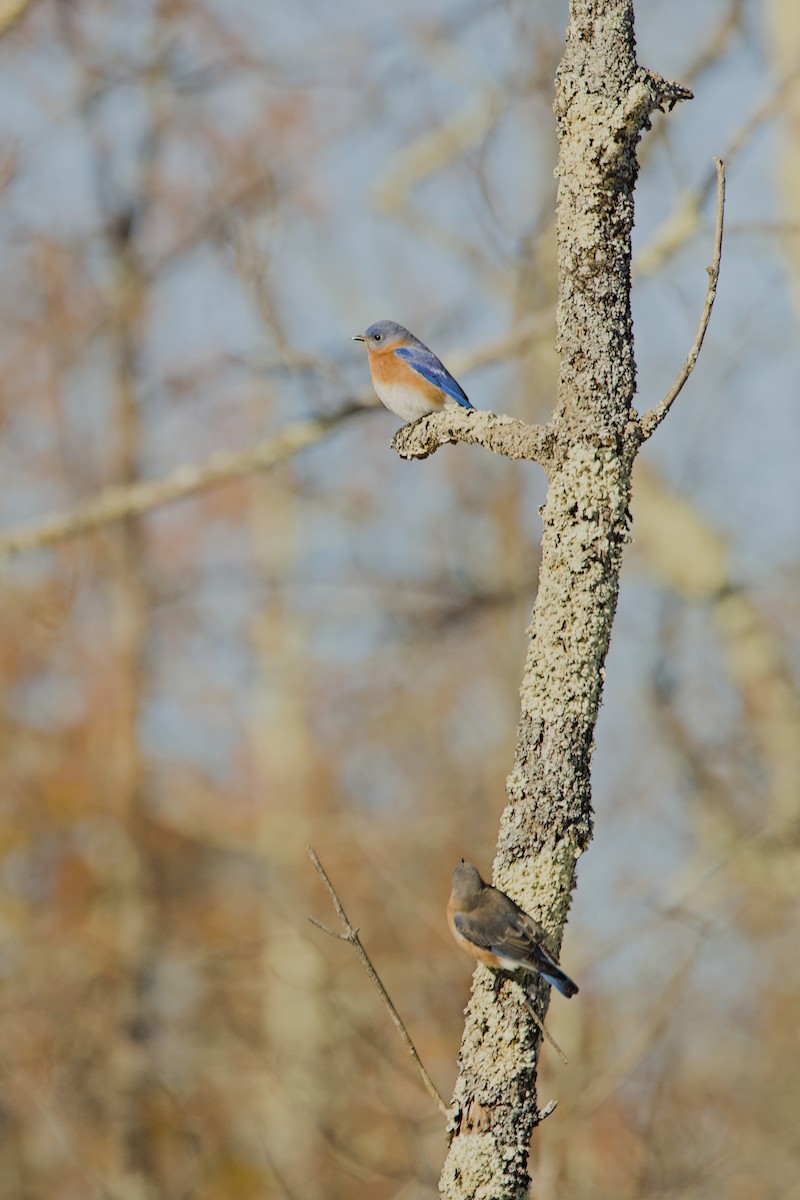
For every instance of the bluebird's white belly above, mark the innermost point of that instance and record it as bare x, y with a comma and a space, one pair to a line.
407, 402
508, 964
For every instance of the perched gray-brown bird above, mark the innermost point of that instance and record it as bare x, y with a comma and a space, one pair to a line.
493, 929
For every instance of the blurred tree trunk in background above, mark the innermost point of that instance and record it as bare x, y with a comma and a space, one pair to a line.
289, 790
782, 22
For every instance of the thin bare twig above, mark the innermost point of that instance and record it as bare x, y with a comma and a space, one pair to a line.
537, 1020
351, 935
651, 420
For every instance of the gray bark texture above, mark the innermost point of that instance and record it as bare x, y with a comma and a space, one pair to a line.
603, 102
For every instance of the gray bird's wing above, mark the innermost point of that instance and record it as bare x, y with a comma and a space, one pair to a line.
527, 940
499, 925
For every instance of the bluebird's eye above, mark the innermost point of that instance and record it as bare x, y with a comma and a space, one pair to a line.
376, 337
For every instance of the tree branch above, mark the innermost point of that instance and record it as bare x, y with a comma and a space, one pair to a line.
122, 501
12, 11
498, 433
545, 1032
132, 500
351, 935
651, 420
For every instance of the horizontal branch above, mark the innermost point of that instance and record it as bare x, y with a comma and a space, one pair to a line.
498, 433
121, 501
351, 935
651, 420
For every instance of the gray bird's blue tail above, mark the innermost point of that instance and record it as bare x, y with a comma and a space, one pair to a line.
555, 976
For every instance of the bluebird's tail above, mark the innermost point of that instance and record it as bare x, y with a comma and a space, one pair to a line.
559, 980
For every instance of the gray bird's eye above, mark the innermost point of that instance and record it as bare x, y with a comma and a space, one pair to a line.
376, 337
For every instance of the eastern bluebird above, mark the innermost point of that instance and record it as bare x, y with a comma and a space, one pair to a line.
407, 376
494, 930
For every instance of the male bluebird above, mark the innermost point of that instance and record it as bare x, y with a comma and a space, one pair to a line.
494, 930
407, 376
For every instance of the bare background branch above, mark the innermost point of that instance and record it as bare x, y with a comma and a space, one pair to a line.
12, 11
351, 936
123, 501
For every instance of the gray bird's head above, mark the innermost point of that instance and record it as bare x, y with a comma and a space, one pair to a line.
383, 334
467, 885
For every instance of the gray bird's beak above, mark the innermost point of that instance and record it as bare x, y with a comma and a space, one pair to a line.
357, 337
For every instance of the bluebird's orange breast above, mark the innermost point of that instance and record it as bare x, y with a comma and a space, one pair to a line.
402, 389
480, 953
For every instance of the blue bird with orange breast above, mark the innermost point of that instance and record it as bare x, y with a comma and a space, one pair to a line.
408, 377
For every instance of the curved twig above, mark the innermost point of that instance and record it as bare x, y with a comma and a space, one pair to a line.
651, 420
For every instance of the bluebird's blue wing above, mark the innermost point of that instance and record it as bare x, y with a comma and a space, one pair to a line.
426, 364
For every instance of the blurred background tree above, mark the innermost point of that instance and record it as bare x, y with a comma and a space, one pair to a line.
200, 203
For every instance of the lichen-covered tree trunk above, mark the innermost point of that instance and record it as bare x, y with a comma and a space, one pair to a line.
603, 101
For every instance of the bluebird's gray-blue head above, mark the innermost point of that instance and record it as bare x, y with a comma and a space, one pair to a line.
385, 333
467, 885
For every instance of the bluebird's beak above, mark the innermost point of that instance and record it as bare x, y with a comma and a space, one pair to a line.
357, 337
